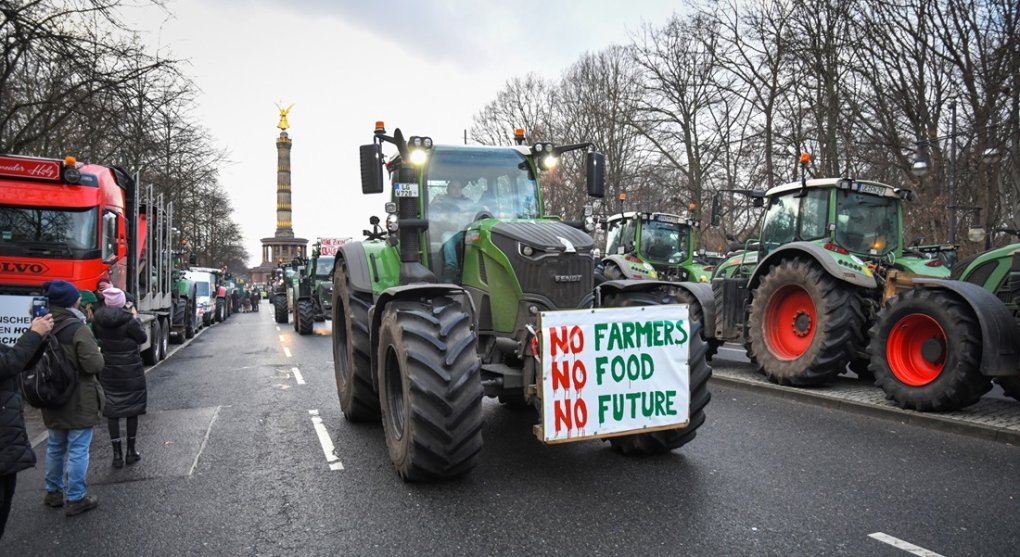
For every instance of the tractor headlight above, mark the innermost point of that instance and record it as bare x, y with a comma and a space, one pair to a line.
549, 162
392, 222
418, 157
527, 250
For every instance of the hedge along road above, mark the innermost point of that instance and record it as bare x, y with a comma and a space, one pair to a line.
233, 463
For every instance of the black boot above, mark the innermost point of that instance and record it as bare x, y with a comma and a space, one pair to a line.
118, 458
132, 455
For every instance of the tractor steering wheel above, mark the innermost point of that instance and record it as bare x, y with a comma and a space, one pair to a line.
482, 215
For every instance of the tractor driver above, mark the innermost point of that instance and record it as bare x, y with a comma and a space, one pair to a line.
460, 209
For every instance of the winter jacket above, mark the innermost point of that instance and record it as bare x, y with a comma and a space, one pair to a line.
15, 449
123, 375
86, 405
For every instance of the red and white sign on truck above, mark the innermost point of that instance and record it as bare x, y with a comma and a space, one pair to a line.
329, 246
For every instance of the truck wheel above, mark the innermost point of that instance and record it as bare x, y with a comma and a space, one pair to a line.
914, 362
191, 321
352, 363
280, 306
151, 354
430, 389
803, 324
1010, 386
698, 314
700, 372
164, 339
305, 315
221, 308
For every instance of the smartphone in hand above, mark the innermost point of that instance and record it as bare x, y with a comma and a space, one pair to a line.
40, 306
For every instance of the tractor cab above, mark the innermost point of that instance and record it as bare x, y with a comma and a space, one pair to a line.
649, 245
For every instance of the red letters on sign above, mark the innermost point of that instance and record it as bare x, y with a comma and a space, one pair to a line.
570, 414
566, 342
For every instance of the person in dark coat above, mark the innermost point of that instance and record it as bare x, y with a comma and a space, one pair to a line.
123, 376
70, 426
15, 450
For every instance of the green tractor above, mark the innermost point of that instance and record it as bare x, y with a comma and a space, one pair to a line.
185, 321
642, 245
911, 355
442, 306
802, 296
282, 293
313, 292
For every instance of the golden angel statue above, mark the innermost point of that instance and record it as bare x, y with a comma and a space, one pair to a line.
283, 125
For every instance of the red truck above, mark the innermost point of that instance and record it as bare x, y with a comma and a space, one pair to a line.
61, 219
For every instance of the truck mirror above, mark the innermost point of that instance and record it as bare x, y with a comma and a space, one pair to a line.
371, 169
595, 166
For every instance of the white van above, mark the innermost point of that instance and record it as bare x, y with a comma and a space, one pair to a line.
204, 297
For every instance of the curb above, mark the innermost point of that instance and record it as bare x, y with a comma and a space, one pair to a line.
922, 419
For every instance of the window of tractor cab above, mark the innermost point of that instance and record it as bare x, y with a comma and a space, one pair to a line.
323, 266
866, 224
498, 181
793, 216
620, 236
663, 242
64, 233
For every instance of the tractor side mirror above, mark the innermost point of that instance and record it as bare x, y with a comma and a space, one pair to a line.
371, 169
716, 210
758, 202
595, 170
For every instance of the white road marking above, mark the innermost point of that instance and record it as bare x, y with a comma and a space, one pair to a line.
204, 440
905, 546
297, 376
277, 327
327, 444
286, 351
281, 338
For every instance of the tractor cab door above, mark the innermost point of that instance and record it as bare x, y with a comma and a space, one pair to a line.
795, 216
620, 237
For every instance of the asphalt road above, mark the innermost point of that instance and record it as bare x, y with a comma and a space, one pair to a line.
233, 465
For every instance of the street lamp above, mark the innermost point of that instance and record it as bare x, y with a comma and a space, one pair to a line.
922, 165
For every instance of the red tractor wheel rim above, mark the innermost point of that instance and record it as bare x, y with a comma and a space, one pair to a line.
789, 322
916, 349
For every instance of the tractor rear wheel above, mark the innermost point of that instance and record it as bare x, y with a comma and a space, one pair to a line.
430, 388
280, 306
352, 349
665, 441
305, 317
913, 359
803, 324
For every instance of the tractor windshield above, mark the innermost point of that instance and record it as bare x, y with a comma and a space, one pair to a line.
464, 184
795, 216
866, 223
664, 242
42, 232
323, 266
620, 236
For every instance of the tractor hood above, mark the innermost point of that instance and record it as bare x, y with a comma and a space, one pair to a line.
548, 236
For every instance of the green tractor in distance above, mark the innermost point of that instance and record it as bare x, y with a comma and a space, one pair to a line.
913, 359
185, 321
313, 291
803, 297
440, 308
283, 290
643, 245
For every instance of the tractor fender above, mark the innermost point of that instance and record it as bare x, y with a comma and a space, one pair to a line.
1000, 335
701, 292
818, 254
412, 291
626, 267
357, 266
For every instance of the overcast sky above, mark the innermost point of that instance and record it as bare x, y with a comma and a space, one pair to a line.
424, 66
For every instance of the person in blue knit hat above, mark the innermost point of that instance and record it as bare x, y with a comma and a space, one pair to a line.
70, 426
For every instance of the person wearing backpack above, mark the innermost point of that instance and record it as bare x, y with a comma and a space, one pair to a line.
123, 377
70, 425
15, 449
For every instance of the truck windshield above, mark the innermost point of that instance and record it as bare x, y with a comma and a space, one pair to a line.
201, 288
323, 266
867, 224
664, 242
48, 232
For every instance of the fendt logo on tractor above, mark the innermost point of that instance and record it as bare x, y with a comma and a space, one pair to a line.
453, 298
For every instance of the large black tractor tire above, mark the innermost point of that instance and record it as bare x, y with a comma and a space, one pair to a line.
1010, 386
151, 354
697, 313
179, 318
352, 349
221, 310
914, 361
305, 317
191, 323
280, 306
804, 324
667, 440
430, 388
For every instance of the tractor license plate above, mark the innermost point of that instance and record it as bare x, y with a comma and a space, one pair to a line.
405, 190
613, 371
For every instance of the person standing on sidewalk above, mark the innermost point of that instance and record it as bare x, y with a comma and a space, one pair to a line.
123, 377
70, 426
15, 449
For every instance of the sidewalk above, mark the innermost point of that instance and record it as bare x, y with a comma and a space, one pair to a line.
997, 420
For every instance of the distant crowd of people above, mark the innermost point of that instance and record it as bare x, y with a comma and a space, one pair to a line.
244, 300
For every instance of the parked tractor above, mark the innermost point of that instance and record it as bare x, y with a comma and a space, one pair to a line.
186, 318
913, 359
642, 245
283, 290
442, 306
802, 297
313, 292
